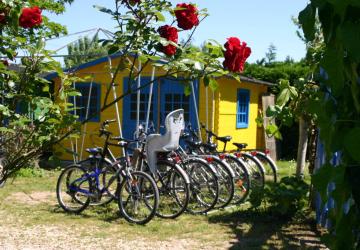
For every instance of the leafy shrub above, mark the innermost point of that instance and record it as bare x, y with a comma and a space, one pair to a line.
284, 199
31, 171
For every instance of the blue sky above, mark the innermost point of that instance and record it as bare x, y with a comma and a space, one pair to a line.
258, 22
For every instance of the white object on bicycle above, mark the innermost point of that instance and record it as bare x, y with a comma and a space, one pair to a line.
155, 143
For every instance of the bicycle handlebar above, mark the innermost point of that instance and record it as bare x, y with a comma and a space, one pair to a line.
103, 125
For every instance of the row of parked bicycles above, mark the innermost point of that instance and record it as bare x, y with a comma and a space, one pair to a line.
188, 174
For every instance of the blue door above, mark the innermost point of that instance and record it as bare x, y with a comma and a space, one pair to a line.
173, 97
130, 106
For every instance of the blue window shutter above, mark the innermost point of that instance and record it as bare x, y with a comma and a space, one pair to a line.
242, 109
82, 101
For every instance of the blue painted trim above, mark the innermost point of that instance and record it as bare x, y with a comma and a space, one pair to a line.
98, 100
129, 125
245, 92
51, 76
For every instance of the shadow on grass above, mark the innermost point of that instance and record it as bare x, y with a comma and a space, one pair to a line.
260, 230
107, 213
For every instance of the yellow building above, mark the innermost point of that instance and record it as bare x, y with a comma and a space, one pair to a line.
230, 110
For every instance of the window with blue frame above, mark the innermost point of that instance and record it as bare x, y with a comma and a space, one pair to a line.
242, 111
81, 102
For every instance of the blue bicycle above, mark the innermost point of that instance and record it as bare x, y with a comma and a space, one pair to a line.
99, 180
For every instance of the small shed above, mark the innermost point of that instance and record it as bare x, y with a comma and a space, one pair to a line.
230, 110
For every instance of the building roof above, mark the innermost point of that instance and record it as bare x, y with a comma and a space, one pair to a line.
51, 76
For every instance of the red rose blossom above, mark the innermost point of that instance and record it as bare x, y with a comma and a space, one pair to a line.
30, 17
5, 62
131, 2
235, 54
187, 17
2, 18
170, 33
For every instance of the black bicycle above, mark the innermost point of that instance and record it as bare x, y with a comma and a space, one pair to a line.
234, 175
172, 181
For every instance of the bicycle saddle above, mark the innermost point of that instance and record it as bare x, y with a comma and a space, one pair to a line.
96, 150
240, 145
224, 138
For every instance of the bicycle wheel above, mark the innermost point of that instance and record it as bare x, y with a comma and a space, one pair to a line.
204, 186
242, 179
110, 181
269, 167
2, 181
256, 170
73, 189
104, 192
174, 190
138, 198
226, 182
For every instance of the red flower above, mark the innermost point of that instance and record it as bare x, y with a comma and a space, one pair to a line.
5, 62
30, 17
187, 17
131, 2
235, 54
171, 34
2, 18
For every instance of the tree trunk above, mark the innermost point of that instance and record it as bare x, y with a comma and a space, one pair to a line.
302, 147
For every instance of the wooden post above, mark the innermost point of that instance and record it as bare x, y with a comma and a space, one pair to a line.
270, 142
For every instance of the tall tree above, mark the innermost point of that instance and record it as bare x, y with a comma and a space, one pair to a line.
271, 54
84, 50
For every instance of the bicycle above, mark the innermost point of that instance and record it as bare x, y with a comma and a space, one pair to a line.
269, 166
239, 172
172, 181
136, 191
204, 188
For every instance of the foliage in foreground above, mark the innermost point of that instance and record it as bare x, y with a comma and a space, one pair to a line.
31, 115
337, 109
284, 199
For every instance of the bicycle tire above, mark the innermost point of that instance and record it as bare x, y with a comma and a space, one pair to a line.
269, 165
226, 182
175, 192
2, 181
256, 170
72, 190
135, 188
202, 176
242, 179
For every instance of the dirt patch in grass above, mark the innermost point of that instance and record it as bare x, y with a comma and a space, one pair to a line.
54, 237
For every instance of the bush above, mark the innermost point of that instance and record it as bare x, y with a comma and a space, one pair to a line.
284, 199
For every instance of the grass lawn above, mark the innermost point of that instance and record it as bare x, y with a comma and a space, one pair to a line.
31, 219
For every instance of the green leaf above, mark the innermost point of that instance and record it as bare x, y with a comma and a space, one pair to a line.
284, 97
213, 84
352, 143
187, 89
307, 21
160, 17
206, 81
273, 130
293, 92
104, 9
73, 93
350, 33
271, 111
